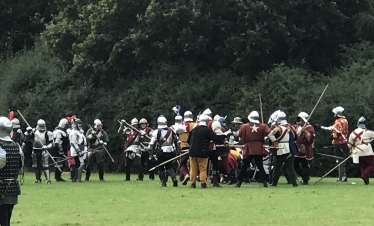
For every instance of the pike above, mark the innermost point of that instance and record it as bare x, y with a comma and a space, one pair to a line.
62, 161
134, 128
49, 154
102, 145
161, 164
340, 162
262, 116
315, 106
346, 159
332, 156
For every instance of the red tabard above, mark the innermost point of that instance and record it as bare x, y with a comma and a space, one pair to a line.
305, 146
253, 138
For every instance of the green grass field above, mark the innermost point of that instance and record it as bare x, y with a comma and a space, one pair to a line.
116, 202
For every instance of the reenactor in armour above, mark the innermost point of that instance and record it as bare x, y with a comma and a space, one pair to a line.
42, 141
96, 139
146, 133
61, 146
339, 133
132, 148
11, 161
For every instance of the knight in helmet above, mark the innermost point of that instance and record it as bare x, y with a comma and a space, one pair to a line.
215, 126
305, 139
78, 150
188, 123
96, 139
161, 145
361, 149
145, 138
42, 141
11, 161
339, 133
283, 136
253, 135
133, 148
16, 133
61, 146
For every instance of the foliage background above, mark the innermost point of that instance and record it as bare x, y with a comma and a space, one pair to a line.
112, 59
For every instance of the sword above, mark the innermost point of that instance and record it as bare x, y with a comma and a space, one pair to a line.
58, 167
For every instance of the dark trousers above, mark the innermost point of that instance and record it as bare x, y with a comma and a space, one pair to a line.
150, 164
341, 150
288, 161
5, 214
259, 164
213, 157
167, 169
93, 160
137, 161
301, 166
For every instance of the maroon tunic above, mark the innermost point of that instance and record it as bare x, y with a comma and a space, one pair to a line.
305, 146
253, 135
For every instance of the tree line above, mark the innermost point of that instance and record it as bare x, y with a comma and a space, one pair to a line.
113, 59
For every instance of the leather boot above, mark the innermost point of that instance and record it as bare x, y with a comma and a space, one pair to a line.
238, 184
216, 181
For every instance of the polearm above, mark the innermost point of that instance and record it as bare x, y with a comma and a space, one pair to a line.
315, 106
137, 131
102, 144
62, 160
134, 128
161, 164
332, 156
262, 116
333, 169
58, 167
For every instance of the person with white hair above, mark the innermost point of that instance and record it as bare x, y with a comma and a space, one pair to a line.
339, 132
96, 139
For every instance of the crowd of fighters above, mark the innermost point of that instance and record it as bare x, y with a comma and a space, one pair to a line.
252, 150
205, 148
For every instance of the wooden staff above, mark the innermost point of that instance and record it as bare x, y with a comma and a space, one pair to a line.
262, 116
58, 167
169, 160
138, 132
135, 129
333, 169
310, 115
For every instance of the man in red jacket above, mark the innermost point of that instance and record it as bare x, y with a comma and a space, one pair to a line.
339, 132
253, 135
305, 140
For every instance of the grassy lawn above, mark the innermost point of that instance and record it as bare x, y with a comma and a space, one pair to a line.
116, 202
